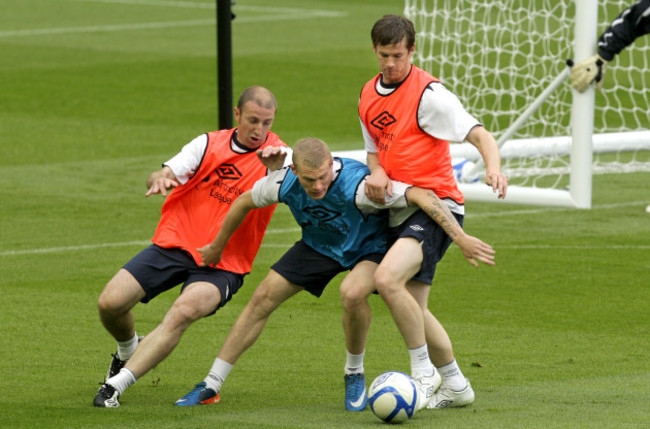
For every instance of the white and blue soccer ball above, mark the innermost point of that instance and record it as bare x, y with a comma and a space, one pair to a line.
463, 171
393, 397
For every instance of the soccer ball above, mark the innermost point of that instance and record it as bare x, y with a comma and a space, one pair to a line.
463, 171
393, 397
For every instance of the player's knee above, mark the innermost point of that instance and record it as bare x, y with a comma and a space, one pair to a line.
108, 304
104, 305
263, 302
120, 295
181, 315
352, 297
384, 282
264, 305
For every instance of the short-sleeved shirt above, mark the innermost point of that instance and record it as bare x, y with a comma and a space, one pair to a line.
192, 212
267, 190
439, 116
345, 224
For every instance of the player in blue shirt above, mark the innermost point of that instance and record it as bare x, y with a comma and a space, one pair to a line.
341, 230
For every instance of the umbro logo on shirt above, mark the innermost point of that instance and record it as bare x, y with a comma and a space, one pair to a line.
416, 228
383, 120
322, 214
228, 172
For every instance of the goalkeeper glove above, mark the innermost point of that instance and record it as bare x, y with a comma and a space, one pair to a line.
587, 71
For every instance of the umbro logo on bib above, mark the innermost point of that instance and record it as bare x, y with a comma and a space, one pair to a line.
383, 120
323, 214
228, 172
416, 228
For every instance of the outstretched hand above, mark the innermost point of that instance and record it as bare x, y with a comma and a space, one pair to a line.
498, 182
272, 157
587, 71
161, 185
210, 255
475, 251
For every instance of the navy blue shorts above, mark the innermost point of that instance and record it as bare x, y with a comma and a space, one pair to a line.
158, 270
434, 239
312, 270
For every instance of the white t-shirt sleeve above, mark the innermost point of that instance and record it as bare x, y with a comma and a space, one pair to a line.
289, 159
185, 164
266, 191
398, 200
441, 114
370, 144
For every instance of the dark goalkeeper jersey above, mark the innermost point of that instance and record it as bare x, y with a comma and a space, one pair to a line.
630, 24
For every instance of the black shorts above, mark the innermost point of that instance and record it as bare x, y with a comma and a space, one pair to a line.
312, 270
434, 239
158, 269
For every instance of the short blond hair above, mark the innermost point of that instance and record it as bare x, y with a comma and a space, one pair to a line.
258, 95
310, 152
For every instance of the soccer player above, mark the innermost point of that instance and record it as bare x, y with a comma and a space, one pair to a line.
628, 25
341, 230
408, 118
205, 178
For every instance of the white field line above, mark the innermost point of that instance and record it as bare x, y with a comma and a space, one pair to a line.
165, 3
555, 209
122, 244
273, 14
104, 28
576, 247
287, 245
289, 230
72, 248
211, 5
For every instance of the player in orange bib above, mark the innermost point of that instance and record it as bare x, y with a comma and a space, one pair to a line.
200, 184
408, 118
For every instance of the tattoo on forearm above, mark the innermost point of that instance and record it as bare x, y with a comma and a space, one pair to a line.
439, 212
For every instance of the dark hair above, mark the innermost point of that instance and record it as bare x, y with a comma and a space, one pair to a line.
391, 30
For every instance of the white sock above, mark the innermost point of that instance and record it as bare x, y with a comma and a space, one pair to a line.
125, 349
452, 377
217, 375
354, 363
122, 380
420, 362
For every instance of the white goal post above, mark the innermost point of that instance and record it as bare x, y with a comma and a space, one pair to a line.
506, 61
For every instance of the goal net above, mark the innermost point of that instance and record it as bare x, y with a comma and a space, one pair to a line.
506, 61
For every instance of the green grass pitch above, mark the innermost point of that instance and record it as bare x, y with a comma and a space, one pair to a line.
96, 94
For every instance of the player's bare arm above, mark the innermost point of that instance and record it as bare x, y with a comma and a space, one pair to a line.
159, 182
487, 146
378, 184
272, 157
211, 253
473, 249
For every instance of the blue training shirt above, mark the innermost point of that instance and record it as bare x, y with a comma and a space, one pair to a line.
334, 226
